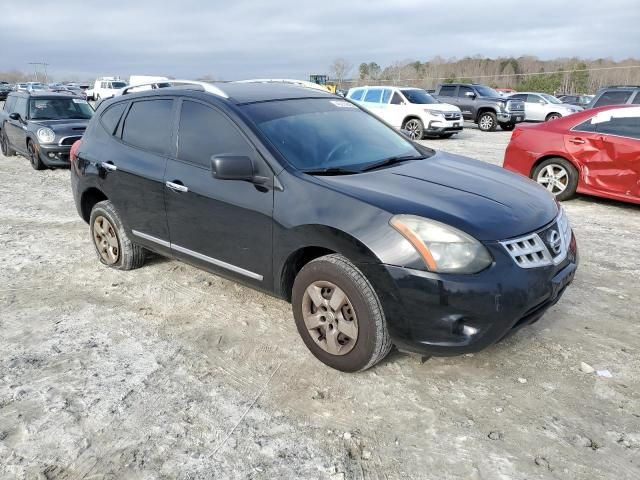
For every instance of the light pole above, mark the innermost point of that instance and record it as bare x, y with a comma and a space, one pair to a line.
44, 67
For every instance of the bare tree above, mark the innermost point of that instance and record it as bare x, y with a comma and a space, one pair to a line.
340, 70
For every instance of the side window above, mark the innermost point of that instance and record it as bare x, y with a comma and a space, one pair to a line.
447, 91
148, 125
396, 99
518, 96
111, 117
9, 104
357, 94
205, 132
21, 107
373, 95
533, 98
585, 127
613, 98
462, 91
621, 126
386, 95
636, 100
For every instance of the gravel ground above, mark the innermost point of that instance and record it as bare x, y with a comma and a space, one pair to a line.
170, 372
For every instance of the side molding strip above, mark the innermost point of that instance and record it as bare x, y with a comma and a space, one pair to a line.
199, 256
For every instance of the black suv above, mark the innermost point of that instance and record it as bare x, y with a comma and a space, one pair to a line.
42, 126
374, 239
616, 95
482, 105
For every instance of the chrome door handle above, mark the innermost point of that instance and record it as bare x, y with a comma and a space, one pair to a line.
176, 187
577, 141
108, 166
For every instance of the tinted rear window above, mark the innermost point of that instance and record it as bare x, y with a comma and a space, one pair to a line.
447, 91
613, 97
111, 117
148, 125
624, 127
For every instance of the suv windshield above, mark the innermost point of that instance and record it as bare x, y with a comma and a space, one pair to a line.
326, 134
550, 98
118, 84
415, 95
59, 109
486, 91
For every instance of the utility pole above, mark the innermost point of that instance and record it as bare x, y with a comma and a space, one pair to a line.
44, 67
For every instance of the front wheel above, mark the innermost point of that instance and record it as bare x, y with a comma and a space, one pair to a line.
113, 246
338, 315
507, 127
558, 176
487, 122
415, 128
34, 157
552, 116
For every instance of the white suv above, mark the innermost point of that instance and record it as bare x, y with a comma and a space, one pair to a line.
106, 88
541, 107
411, 109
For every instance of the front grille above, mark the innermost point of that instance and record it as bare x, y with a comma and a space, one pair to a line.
515, 105
452, 116
545, 247
69, 140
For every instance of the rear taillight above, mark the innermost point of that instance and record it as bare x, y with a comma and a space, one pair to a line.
73, 154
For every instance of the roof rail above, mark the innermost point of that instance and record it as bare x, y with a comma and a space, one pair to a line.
290, 81
622, 86
185, 84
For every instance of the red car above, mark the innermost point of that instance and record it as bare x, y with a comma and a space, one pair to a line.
595, 152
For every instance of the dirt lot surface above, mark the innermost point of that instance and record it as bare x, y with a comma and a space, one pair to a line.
170, 372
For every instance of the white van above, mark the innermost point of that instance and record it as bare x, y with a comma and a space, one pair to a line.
105, 87
411, 109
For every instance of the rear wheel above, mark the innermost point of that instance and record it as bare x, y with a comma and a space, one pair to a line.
487, 122
113, 246
552, 116
338, 314
7, 151
415, 128
507, 127
34, 156
558, 176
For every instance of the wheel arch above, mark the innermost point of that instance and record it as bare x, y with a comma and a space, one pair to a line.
485, 109
89, 198
411, 116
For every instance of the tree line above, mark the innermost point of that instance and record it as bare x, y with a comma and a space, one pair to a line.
562, 75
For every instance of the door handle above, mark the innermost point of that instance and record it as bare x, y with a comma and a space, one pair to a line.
577, 140
108, 166
177, 187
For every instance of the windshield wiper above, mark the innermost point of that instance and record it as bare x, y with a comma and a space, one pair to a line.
330, 171
392, 161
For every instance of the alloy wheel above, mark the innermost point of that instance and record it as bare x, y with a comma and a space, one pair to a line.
414, 128
330, 317
486, 122
553, 117
106, 240
554, 177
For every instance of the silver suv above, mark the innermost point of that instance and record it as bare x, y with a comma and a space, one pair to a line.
616, 95
541, 107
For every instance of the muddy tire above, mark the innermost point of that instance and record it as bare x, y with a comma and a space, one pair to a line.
113, 246
338, 315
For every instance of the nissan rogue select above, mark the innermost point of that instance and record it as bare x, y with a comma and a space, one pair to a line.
374, 239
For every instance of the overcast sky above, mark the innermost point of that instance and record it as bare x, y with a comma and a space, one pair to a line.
237, 39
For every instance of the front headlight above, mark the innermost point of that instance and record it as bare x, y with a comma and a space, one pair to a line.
46, 135
444, 249
435, 113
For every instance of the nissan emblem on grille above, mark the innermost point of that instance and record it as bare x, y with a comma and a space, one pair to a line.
555, 244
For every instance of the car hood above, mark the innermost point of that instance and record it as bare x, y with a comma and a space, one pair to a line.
485, 201
63, 125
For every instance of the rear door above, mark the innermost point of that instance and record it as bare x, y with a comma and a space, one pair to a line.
372, 101
220, 225
535, 108
133, 163
609, 153
395, 109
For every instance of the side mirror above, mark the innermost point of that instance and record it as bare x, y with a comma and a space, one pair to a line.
470, 95
232, 167
14, 116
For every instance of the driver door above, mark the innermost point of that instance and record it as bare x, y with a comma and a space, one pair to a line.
395, 109
16, 130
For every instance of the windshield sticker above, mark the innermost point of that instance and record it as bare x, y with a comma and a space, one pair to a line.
79, 100
343, 104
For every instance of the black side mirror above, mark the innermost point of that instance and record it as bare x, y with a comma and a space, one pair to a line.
14, 116
232, 167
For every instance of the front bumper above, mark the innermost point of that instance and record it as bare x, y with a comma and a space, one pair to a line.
446, 314
511, 117
54, 155
438, 127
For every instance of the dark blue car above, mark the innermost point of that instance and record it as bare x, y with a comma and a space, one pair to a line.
374, 239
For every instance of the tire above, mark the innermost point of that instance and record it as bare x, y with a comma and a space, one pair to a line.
564, 173
7, 151
415, 127
127, 255
34, 156
552, 116
487, 122
360, 309
507, 127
